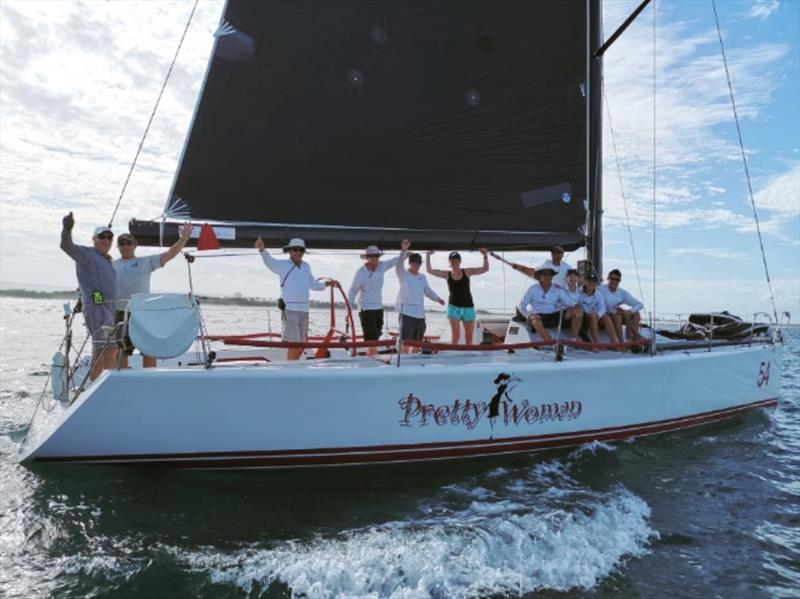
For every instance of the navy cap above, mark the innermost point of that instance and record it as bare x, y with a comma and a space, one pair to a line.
454, 256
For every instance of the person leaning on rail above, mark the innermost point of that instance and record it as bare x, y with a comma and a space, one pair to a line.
98, 284
296, 281
460, 307
414, 289
133, 276
543, 306
615, 298
367, 288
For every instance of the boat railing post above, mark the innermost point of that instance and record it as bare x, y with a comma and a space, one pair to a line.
711, 333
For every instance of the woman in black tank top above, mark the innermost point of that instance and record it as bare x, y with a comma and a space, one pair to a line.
460, 307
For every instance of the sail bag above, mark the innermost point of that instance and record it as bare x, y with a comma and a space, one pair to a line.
163, 325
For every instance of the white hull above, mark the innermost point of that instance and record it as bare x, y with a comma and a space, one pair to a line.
356, 411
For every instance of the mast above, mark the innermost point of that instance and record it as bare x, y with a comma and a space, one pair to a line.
594, 242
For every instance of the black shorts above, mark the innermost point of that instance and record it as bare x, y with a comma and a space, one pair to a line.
371, 324
551, 319
123, 339
412, 328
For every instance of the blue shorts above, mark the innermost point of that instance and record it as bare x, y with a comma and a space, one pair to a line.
456, 313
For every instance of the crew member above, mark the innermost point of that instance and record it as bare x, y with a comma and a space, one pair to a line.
97, 281
296, 281
133, 276
594, 311
414, 289
557, 263
460, 307
367, 288
616, 298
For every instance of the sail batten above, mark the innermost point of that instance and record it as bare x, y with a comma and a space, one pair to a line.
446, 121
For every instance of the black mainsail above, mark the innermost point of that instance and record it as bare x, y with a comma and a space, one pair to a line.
456, 124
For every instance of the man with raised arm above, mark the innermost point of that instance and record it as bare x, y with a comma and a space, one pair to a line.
543, 302
133, 276
557, 263
296, 281
414, 289
98, 284
367, 289
615, 298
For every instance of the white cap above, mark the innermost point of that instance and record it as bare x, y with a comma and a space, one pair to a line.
372, 250
295, 242
102, 229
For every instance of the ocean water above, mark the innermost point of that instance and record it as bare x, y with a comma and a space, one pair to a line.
711, 512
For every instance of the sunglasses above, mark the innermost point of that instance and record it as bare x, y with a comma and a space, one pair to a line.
106, 236
614, 279
301, 250
121, 242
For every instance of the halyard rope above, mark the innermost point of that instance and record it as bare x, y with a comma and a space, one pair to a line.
744, 161
152, 115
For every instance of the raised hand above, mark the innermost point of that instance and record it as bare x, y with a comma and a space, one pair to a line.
260, 244
186, 232
68, 221
405, 245
429, 253
483, 251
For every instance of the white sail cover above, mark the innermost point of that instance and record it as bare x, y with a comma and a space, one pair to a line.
163, 325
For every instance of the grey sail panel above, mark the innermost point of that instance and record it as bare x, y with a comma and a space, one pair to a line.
448, 121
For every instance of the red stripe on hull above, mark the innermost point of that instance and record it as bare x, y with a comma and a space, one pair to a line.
407, 453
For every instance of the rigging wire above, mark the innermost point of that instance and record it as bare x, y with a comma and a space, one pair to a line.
622, 192
152, 115
744, 161
653, 347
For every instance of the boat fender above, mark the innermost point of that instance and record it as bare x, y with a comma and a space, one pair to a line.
58, 376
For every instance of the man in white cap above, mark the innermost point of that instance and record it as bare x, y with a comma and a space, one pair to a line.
543, 305
367, 288
296, 281
414, 289
98, 284
133, 276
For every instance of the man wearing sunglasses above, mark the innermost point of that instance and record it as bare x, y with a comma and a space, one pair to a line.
615, 297
133, 276
296, 281
98, 285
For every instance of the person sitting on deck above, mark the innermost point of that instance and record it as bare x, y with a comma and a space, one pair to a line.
573, 290
414, 289
614, 297
460, 307
98, 284
594, 311
541, 305
296, 281
367, 288
133, 276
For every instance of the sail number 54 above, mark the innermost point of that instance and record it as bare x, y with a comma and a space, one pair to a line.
763, 374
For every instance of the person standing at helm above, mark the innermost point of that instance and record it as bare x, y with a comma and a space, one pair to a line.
98, 284
367, 288
414, 289
557, 263
133, 276
296, 282
460, 307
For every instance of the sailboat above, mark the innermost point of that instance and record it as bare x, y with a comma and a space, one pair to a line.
456, 125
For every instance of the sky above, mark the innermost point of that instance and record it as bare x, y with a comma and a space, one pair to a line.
78, 81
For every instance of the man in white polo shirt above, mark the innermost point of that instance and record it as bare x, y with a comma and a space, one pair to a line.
296, 281
543, 302
367, 288
615, 297
414, 289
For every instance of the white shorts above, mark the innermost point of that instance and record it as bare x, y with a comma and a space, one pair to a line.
295, 325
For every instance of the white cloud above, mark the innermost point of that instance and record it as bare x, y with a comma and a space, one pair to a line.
781, 193
763, 9
706, 252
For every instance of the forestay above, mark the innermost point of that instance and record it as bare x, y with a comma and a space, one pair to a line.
457, 124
